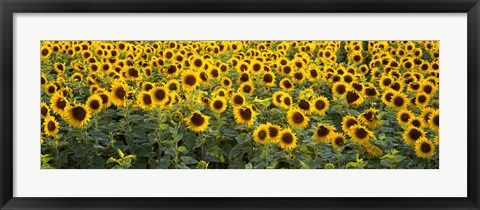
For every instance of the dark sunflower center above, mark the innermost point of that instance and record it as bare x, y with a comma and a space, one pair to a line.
267, 78
303, 104
238, 99
226, 82
172, 69
370, 116
94, 104
405, 117
147, 99
425, 147
389, 97
79, 113
133, 72
414, 134
44, 52
197, 62
61, 104
43, 81
287, 138
341, 89
203, 76
169, 55
313, 73
256, 67
357, 86
408, 65
283, 62
350, 122
287, 70
104, 98
287, 101
287, 84
94, 67
436, 120
160, 94
414, 86
348, 79
387, 82
422, 99
361, 133
424, 67
214, 73
371, 92
273, 131
246, 114
356, 58
398, 101
51, 126
44, 111
218, 104
247, 89
428, 89
298, 117
106, 67
120, 93
320, 105
190, 80
339, 141
298, 76
352, 96
51, 89
172, 86
323, 131
197, 119
416, 123
396, 86
262, 135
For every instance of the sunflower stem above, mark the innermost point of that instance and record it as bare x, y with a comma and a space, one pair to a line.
266, 154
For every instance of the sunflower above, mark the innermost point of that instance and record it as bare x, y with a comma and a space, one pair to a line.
428, 88
197, 62
424, 148
51, 88
357, 86
399, 101
299, 76
320, 104
237, 100
45, 52
287, 101
76, 77
256, 67
412, 134
106, 102
58, 103
77, 115
218, 104
417, 122
286, 85
305, 106
167, 104
353, 98
145, 100
260, 134
160, 94
414, 86
287, 139
434, 120
385, 82
44, 110
369, 118
349, 121
226, 82
373, 149
190, 80
246, 87
119, 94
426, 113
360, 134
277, 98
197, 122
370, 92
51, 126
268, 79
245, 115
59, 67
338, 139
339, 88
323, 133
273, 132
43, 80
94, 103
404, 117
422, 99
387, 97
296, 118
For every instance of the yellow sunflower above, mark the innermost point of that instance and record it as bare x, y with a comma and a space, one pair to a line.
77, 115
246, 87
399, 101
190, 80
296, 118
287, 139
197, 122
320, 104
305, 106
260, 134
277, 98
95, 103
44, 110
369, 118
426, 113
424, 148
349, 121
373, 149
323, 133
353, 98
360, 134
58, 103
412, 134
145, 100
119, 94
268, 79
159, 94
338, 139
237, 100
51, 126
287, 85
273, 132
245, 115
434, 120
404, 117
218, 104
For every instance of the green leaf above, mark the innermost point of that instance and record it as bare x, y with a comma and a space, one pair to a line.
187, 160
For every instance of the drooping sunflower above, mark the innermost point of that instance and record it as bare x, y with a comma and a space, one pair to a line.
323, 133
399, 101
260, 134
404, 117
58, 103
237, 100
245, 115
360, 134
320, 104
412, 134
338, 139
373, 149
434, 120
145, 100
94, 103
424, 148
190, 80
197, 122
273, 132
218, 104
287, 85
51, 126
296, 118
159, 94
349, 121
287, 139
77, 115
44, 110
119, 94
369, 118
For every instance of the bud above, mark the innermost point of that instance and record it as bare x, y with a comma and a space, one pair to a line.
202, 165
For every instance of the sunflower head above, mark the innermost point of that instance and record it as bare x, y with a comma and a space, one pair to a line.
245, 115
399, 101
95, 103
59, 103
261, 134
218, 104
320, 104
404, 117
50, 126
434, 120
338, 139
349, 121
296, 118
273, 132
145, 100
287, 85
360, 134
287, 139
44, 110
424, 148
118, 94
412, 134
370, 118
77, 115
190, 80
159, 94
323, 133
197, 122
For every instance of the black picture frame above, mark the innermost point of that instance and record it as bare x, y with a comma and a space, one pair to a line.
9, 7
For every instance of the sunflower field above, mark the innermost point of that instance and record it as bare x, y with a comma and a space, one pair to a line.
239, 104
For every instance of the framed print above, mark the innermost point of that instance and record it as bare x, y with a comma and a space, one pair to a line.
239, 105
